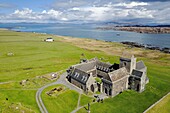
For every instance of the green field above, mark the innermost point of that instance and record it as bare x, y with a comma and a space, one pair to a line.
64, 102
26, 56
162, 106
85, 100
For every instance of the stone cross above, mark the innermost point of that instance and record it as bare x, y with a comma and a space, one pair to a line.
88, 107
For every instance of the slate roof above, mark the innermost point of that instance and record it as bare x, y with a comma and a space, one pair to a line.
107, 81
140, 65
105, 67
137, 73
80, 76
118, 74
101, 73
125, 59
86, 66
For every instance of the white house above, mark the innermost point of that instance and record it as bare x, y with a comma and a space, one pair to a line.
49, 40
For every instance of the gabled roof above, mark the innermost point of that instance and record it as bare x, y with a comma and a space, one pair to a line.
103, 74
105, 67
137, 73
86, 66
140, 65
80, 76
103, 64
118, 74
93, 64
125, 59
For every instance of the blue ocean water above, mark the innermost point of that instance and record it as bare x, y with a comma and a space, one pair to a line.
89, 31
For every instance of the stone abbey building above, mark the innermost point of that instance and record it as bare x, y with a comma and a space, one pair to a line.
111, 79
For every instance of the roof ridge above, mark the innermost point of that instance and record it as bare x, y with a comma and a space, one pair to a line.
80, 70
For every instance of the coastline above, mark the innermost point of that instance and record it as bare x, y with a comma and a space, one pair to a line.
77, 41
4, 29
128, 43
147, 30
160, 40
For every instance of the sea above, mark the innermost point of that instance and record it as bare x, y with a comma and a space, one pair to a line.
90, 31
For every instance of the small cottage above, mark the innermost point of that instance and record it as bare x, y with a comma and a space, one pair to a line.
49, 40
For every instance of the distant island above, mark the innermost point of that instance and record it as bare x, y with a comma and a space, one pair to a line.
139, 29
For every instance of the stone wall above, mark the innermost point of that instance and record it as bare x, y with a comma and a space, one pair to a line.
125, 64
78, 84
119, 86
90, 81
142, 83
93, 71
107, 88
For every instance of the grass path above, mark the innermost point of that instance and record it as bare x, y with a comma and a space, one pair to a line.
82, 106
78, 103
5, 82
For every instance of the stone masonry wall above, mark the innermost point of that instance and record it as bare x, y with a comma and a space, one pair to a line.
78, 84
119, 86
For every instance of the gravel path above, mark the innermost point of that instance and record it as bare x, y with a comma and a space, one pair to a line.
61, 80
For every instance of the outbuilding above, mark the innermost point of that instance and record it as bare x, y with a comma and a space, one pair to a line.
49, 40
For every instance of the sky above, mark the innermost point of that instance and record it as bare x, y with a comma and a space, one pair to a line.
84, 11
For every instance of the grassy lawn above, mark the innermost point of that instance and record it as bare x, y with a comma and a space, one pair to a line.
85, 100
64, 102
33, 57
10, 100
162, 106
25, 56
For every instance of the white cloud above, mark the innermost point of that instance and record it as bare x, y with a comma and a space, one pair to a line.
131, 4
113, 12
162, 16
103, 12
29, 15
51, 14
142, 13
94, 13
25, 11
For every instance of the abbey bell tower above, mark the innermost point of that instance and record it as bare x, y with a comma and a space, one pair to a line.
130, 64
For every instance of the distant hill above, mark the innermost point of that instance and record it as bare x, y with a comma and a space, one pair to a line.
128, 24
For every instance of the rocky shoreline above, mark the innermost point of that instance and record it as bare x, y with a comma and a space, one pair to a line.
154, 30
147, 46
